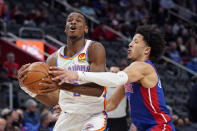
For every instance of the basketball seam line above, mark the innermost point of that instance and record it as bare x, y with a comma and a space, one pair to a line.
38, 71
36, 81
46, 75
44, 67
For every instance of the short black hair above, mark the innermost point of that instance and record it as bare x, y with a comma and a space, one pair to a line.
154, 38
85, 18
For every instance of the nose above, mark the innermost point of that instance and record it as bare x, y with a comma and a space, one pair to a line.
73, 22
130, 44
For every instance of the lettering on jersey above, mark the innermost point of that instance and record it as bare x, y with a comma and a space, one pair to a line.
128, 87
82, 57
159, 84
87, 127
85, 68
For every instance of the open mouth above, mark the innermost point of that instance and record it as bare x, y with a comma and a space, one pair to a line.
129, 51
73, 28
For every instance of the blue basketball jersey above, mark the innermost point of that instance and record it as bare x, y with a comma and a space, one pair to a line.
147, 106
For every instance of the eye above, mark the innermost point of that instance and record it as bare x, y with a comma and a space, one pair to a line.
69, 20
78, 20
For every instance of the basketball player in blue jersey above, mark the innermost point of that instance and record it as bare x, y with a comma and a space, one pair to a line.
141, 81
79, 112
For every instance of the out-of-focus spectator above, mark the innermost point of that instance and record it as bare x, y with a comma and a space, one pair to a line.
3, 74
5, 111
2, 124
100, 33
123, 64
167, 4
193, 64
192, 46
168, 33
31, 117
133, 14
174, 53
117, 118
87, 9
11, 65
38, 18
3, 9
21, 118
192, 103
11, 118
181, 47
45, 122
96, 4
17, 15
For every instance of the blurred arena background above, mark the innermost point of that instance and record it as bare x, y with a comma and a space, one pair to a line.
33, 29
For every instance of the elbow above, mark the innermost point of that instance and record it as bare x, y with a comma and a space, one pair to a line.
118, 83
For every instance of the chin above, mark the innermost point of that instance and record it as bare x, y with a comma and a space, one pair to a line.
73, 37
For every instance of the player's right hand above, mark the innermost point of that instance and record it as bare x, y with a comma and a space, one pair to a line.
22, 73
57, 111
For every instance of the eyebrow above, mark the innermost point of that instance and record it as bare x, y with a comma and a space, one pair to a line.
135, 39
77, 17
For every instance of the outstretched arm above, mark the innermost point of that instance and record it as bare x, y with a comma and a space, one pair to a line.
115, 99
133, 73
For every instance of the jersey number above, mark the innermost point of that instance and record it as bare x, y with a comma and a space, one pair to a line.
76, 94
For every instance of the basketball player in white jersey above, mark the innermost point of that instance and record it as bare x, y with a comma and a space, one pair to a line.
79, 112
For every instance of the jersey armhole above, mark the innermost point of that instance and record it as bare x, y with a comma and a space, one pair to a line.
88, 49
56, 58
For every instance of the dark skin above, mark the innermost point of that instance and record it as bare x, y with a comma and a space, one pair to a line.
75, 30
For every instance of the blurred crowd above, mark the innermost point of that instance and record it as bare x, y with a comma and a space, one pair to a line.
31, 118
124, 16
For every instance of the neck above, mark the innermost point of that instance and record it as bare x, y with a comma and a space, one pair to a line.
142, 58
74, 45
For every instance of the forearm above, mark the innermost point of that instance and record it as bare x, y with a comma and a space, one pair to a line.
110, 106
89, 89
105, 78
49, 99
115, 99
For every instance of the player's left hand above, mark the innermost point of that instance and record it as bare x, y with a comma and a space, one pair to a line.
49, 84
63, 75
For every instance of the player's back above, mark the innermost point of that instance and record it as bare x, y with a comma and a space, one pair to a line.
147, 105
73, 102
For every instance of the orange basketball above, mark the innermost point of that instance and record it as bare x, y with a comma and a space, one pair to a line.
36, 71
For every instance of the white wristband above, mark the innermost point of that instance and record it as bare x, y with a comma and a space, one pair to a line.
104, 78
28, 92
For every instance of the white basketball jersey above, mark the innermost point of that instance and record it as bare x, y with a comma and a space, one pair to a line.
72, 102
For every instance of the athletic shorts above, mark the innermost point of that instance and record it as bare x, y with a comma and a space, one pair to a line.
81, 122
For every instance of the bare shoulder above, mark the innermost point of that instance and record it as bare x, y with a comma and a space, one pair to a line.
96, 46
96, 52
51, 60
140, 66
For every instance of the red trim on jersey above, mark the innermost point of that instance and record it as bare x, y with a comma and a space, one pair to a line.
104, 95
164, 127
105, 123
152, 103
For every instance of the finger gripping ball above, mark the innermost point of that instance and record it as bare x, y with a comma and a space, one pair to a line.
36, 72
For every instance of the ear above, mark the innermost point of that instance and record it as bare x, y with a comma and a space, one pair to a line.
147, 50
86, 29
